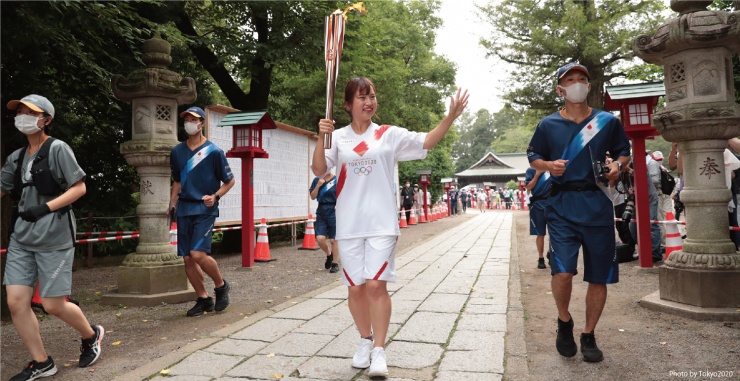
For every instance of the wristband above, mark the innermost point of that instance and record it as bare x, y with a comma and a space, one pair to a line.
217, 197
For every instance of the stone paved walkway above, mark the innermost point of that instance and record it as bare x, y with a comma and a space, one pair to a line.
448, 321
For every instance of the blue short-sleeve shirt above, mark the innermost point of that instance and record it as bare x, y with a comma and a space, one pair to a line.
200, 172
551, 138
327, 197
453, 196
542, 188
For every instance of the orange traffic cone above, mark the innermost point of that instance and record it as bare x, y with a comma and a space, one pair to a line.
309, 239
673, 241
422, 217
262, 250
524, 205
412, 220
495, 204
402, 223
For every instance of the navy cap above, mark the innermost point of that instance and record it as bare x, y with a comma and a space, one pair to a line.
194, 111
571, 66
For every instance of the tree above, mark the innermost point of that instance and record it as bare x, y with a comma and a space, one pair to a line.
479, 132
541, 36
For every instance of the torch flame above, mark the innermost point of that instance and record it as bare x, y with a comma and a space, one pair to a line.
359, 7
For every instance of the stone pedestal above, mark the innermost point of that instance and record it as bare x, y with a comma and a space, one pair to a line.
695, 49
154, 273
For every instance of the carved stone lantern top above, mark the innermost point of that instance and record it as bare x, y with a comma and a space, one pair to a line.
155, 80
694, 27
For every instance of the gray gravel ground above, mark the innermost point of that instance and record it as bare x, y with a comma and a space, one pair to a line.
638, 344
148, 333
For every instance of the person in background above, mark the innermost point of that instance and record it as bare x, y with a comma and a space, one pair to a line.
655, 166
538, 183
675, 163
417, 200
407, 200
619, 201
464, 200
732, 166
507, 198
453, 201
482, 201
325, 191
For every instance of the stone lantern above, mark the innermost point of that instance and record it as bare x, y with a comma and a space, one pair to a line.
154, 273
695, 48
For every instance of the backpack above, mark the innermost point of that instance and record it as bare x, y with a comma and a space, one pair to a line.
667, 182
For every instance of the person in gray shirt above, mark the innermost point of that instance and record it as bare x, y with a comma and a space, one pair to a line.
45, 180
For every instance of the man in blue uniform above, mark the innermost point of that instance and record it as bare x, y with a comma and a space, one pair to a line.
579, 214
198, 169
325, 191
453, 201
539, 184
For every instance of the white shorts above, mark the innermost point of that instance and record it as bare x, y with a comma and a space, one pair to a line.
368, 258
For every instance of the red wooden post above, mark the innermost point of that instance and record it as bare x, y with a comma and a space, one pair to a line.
248, 241
426, 214
642, 203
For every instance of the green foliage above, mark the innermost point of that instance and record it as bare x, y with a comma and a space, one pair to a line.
217, 237
478, 132
512, 184
541, 36
517, 137
393, 46
645, 72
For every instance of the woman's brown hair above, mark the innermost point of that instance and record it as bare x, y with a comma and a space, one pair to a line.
363, 84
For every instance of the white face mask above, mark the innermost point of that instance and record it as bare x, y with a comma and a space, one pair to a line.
576, 92
27, 124
192, 128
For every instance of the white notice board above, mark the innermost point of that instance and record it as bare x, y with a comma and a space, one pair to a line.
281, 182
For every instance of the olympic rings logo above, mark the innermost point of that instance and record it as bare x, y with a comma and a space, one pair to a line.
363, 171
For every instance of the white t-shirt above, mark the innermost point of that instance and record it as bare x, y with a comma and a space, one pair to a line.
366, 206
482, 196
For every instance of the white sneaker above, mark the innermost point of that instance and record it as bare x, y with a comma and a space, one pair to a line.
362, 357
378, 368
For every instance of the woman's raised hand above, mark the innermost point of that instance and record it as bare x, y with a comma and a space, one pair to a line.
458, 103
326, 126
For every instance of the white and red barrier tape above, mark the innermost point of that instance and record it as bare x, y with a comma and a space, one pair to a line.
108, 233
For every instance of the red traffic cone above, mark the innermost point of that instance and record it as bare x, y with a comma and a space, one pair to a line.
309, 239
422, 217
262, 249
402, 223
673, 240
173, 235
412, 220
36, 300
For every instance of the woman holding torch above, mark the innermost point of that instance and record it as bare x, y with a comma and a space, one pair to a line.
367, 226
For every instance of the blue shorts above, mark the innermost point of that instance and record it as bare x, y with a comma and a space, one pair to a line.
537, 221
194, 233
599, 253
326, 226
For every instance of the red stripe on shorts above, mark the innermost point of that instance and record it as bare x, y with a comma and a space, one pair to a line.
351, 283
381, 270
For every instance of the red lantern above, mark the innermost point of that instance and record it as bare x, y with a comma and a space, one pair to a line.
247, 145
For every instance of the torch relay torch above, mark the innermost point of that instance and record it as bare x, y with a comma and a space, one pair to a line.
333, 43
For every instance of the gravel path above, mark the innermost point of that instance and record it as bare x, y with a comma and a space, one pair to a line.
149, 333
638, 344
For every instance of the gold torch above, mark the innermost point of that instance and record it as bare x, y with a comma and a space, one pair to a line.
333, 43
